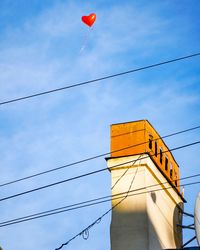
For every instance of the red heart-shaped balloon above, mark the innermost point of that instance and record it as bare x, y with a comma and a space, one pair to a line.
89, 20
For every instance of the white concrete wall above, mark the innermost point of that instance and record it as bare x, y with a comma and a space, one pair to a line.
144, 221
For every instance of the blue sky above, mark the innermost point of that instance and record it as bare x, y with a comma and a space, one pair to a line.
40, 43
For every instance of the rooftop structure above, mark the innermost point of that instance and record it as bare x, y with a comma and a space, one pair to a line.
142, 166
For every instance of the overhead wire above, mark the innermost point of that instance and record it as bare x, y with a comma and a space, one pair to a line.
42, 214
100, 79
86, 230
117, 204
95, 222
46, 213
87, 159
89, 173
95, 157
125, 172
92, 202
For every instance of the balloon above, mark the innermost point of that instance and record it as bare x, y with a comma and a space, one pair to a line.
89, 20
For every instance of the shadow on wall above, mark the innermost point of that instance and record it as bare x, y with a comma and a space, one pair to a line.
177, 220
131, 230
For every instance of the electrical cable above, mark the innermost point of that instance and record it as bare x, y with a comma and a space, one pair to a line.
88, 159
145, 192
42, 214
118, 203
94, 157
90, 202
100, 79
85, 234
88, 174
125, 172
108, 211
67, 208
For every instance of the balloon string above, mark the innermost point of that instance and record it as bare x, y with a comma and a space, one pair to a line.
85, 42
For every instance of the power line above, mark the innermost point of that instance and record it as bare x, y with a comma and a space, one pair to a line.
85, 160
94, 157
125, 172
99, 219
74, 206
86, 230
46, 213
100, 79
87, 174
87, 203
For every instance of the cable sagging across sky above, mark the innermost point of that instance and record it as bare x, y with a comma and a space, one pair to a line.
124, 197
89, 203
88, 174
107, 212
94, 157
100, 79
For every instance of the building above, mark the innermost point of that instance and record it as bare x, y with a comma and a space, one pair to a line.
143, 169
